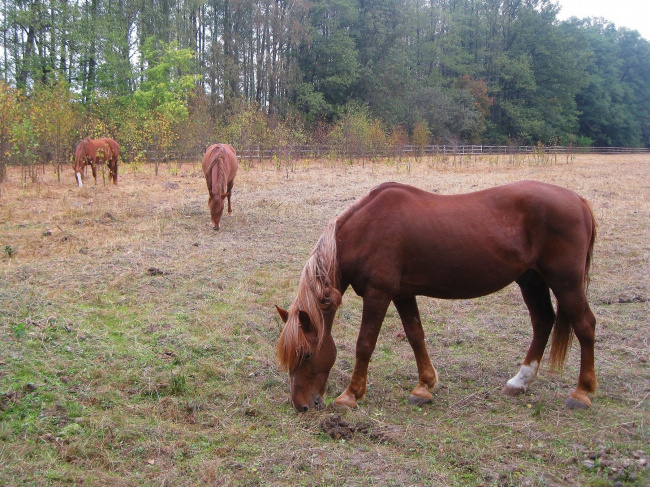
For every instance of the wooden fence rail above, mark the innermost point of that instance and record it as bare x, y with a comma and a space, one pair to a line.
322, 151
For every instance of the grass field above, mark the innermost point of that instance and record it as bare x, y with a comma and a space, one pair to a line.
137, 345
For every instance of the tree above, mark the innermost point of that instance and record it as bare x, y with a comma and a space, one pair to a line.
55, 119
9, 116
162, 98
614, 103
329, 58
534, 74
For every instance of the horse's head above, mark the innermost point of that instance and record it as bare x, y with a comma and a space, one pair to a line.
216, 203
78, 176
308, 358
80, 156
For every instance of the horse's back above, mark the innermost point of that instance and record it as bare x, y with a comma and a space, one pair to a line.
464, 245
231, 161
114, 146
534, 200
229, 158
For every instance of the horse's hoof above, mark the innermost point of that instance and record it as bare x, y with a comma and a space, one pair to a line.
573, 403
512, 391
346, 400
418, 400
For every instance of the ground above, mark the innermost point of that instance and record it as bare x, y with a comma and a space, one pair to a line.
137, 345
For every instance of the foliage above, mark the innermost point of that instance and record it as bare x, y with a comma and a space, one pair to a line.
9, 114
477, 72
357, 133
55, 118
246, 128
420, 137
167, 80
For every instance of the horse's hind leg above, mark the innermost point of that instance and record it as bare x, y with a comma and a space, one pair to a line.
113, 171
428, 377
536, 295
577, 312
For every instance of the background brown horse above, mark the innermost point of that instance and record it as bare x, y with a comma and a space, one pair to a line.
220, 168
399, 242
96, 152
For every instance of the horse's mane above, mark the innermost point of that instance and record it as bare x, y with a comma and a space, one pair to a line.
317, 293
220, 175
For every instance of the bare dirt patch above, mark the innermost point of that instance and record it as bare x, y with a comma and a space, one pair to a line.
137, 345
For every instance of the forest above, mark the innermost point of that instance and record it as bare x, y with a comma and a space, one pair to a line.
168, 77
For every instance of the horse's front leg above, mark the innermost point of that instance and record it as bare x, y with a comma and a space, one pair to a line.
229, 192
375, 305
427, 376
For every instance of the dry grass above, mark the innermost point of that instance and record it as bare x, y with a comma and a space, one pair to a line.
137, 344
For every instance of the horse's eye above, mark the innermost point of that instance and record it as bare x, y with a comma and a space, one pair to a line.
307, 356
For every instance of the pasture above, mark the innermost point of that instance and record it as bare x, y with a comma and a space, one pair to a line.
137, 345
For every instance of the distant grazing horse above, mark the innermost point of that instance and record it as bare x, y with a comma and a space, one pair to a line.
399, 242
96, 152
220, 167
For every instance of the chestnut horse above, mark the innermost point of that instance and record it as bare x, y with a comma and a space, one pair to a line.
399, 242
220, 167
95, 152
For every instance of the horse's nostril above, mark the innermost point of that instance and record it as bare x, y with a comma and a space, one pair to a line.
304, 409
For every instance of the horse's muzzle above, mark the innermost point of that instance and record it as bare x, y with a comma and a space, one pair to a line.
317, 402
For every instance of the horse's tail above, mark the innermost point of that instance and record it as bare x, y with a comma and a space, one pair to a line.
217, 152
592, 240
318, 294
563, 328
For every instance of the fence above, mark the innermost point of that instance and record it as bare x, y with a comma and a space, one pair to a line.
324, 150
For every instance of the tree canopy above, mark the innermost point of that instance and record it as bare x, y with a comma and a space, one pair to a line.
472, 71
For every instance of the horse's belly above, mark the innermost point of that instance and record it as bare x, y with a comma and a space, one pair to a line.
459, 281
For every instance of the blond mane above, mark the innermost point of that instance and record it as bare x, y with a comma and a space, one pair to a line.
317, 293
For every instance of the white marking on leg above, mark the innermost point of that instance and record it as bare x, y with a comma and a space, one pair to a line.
526, 376
79, 179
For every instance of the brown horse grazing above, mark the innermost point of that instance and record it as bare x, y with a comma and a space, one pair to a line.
95, 152
220, 167
399, 242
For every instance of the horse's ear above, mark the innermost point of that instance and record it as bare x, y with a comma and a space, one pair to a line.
305, 322
284, 314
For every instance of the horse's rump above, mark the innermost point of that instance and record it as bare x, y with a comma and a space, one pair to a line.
219, 164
